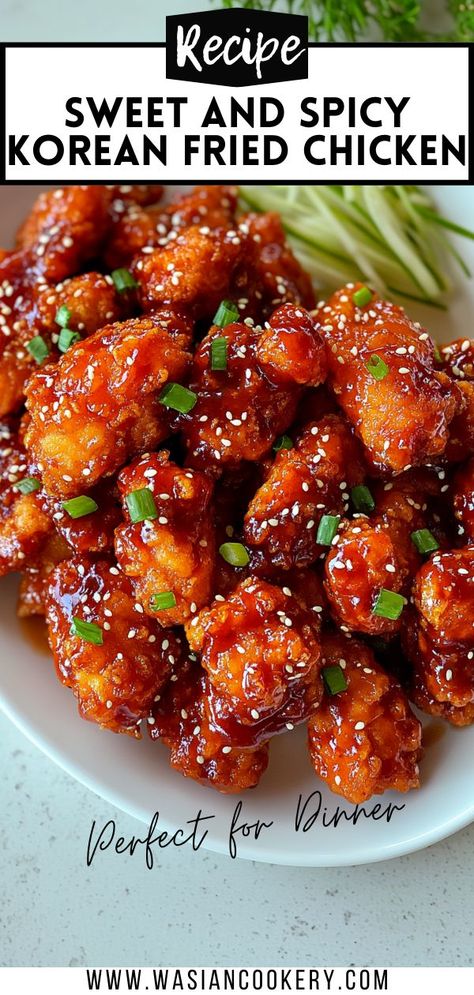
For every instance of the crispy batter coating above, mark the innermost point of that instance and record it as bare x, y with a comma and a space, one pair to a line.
66, 228
98, 405
23, 525
260, 650
198, 750
463, 499
458, 362
239, 411
174, 552
403, 419
439, 641
91, 299
117, 682
269, 274
364, 740
362, 563
291, 350
193, 271
91, 533
304, 483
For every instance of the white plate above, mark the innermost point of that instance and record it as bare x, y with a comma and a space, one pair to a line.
136, 777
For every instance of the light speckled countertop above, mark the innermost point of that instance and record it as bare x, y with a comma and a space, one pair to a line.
200, 908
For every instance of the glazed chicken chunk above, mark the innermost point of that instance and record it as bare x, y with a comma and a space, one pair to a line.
99, 404
168, 548
23, 524
241, 407
458, 363
197, 749
382, 371
113, 657
260, 650
364, 738
305, 483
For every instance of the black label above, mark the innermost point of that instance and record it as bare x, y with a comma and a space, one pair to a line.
237, 47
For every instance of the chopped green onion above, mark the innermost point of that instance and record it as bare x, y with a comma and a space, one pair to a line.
284, 442
327, 529
79, 506
67, 338
424, 541
362, 296
180, 398
219, 354
234, 553
334, 679
141, 505
63, 316
123, 280
389, 604
362, 498
376, 367
88, 631
160, 602
437, 355
28, 485
226, 313
38, 348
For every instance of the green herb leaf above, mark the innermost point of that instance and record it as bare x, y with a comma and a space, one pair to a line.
389, 604
219, 354
88, 631
234, 553
362, 296
334, 679
141, 505
79, 506
38, 348
63, 316
226, 314
123, 280
362, 498
28, 485
424, 541
67, 338
177, 397
162, 601
284, 442
376, 367
327, 529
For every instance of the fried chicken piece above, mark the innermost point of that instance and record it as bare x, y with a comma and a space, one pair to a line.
137, 228
129, 194
175, 550
91, 299
378, 553
91, 533
115, 681
239, 412
291, 350
260, 649
304, 483
66, 228
98, 405
23, 525
269, 274
463, 498
439, 641
198, 750
458, 362
402, 410
364, 740
192, 272
36, 578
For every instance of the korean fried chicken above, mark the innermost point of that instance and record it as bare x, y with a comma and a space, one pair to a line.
237, 512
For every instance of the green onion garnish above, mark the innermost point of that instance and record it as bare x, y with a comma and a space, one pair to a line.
226, 313
376, 367
67, 338
234, 553
437, 355
88, 631
160, 602
63, 316
334, 679
123, 280
362, 498
141, 505
362, 296
38, 349
284, 442
79, 506
327, 529
180, 398
424, 541
219, 354
389, 604
28, 485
